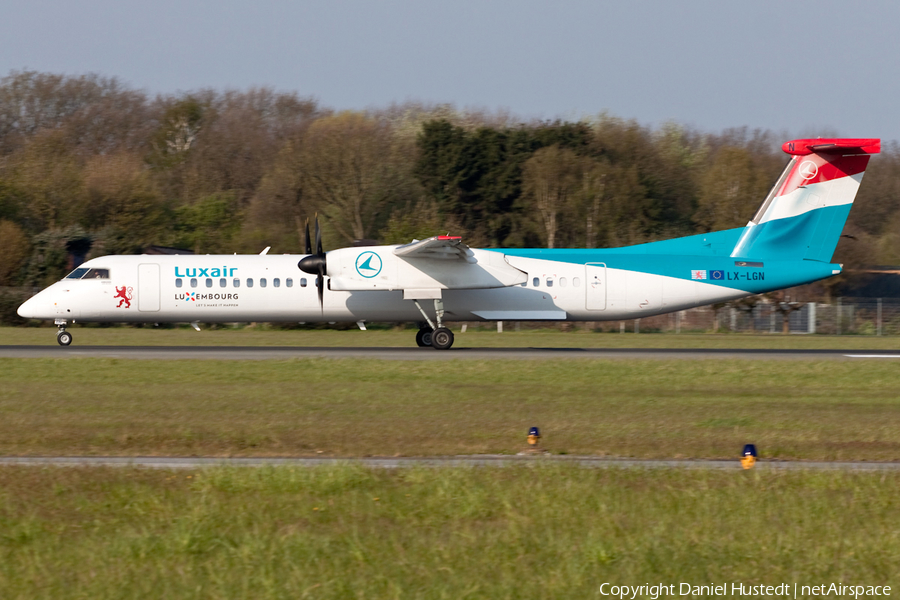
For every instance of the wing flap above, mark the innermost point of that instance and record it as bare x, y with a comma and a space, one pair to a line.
441, 247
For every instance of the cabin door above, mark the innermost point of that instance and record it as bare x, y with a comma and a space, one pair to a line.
148, 288
595, 286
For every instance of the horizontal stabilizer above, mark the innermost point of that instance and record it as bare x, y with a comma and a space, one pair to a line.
843, 145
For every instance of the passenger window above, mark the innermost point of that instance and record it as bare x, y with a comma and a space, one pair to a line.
537, 282
236, 282
549, 282
262, 282
208, 282
223, 282
562, 282
289, 282
193, 283
178, 283
276, 282
576, 282
249, 282
303, 282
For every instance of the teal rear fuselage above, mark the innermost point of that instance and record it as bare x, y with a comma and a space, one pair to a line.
705, 257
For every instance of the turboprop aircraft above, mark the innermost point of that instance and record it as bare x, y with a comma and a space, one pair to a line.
789, 241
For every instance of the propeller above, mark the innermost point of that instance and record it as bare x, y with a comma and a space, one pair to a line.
315, 264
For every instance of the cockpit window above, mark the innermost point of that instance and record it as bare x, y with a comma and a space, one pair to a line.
97, 274
85, 273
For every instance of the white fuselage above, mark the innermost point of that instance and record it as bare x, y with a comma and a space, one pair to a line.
247, 288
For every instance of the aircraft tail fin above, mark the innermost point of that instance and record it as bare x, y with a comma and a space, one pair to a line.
804, 214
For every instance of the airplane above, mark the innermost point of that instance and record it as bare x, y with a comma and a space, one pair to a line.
789, 241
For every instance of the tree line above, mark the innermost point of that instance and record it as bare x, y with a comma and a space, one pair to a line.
89, 166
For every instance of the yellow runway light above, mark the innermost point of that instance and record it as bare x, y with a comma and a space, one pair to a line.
749, 457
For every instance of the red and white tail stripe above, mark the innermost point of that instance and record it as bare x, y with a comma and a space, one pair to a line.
822, 172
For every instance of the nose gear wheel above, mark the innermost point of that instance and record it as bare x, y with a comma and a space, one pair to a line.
64, 338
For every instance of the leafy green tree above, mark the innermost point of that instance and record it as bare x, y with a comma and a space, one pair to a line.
277, 211
124, 205
477, 175
730, 190
416, 221
879, 197
347, 173
49, 177
96, 112
208, 226
14, 249
55, 252
552, 176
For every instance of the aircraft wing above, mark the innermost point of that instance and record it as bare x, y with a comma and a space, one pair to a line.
421, 267
446, 247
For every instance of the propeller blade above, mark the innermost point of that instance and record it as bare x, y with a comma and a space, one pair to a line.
308, 240
320, 284
319, 251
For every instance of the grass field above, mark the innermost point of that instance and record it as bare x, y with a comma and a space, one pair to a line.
347, 532
651, 409
549, 338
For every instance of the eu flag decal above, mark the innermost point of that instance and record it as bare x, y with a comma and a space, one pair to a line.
717, 275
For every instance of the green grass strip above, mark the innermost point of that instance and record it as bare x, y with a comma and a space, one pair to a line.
804, 410
516, 532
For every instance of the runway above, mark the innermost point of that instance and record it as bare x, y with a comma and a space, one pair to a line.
403, 353
153, 462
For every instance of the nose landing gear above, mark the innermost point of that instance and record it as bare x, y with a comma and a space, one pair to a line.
63, 337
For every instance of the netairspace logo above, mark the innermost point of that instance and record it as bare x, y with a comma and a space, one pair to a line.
783, 590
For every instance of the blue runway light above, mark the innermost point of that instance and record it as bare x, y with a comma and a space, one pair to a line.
534, 434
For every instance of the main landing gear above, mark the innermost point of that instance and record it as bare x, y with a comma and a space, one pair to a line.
423, 337
63, 337
441, 338
436, 336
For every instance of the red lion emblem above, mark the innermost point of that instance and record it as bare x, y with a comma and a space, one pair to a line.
125, 295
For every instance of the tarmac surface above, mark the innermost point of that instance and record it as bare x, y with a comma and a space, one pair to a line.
402, 353
156, 462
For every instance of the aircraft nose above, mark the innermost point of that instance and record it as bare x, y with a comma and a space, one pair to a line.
28, 310
37, 307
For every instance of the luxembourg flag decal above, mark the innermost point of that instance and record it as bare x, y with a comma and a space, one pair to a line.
698, 274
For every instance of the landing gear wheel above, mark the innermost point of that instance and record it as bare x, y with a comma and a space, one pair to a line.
64, 338
423, 338
441, 338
